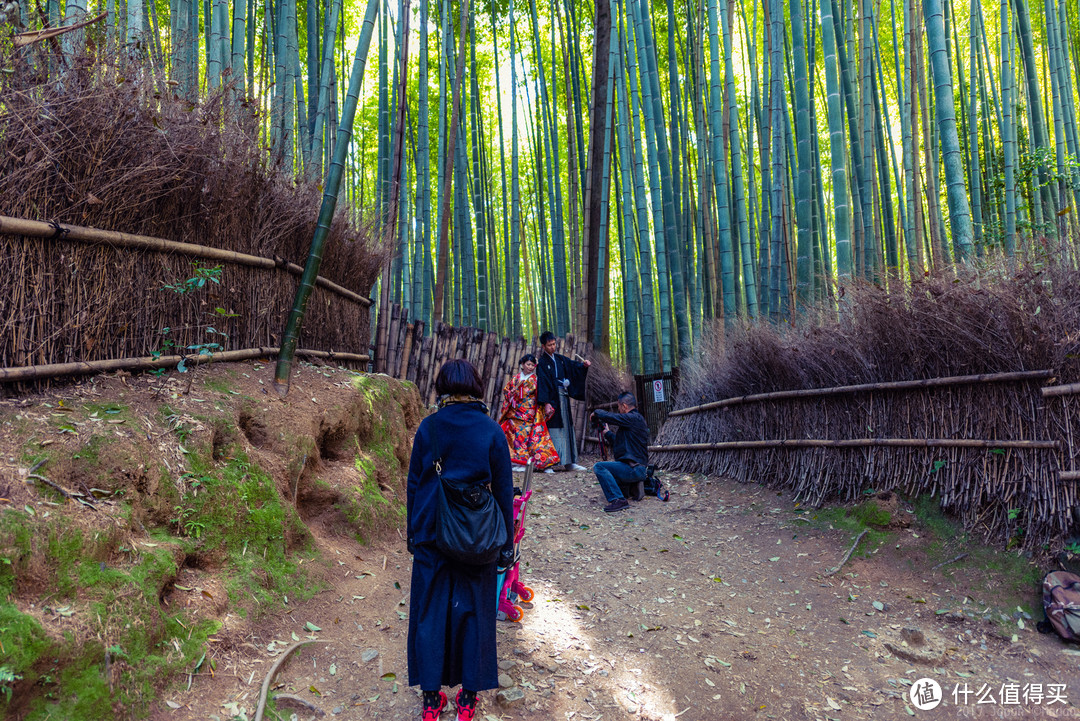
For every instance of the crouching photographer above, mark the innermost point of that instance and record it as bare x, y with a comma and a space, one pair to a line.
630, 449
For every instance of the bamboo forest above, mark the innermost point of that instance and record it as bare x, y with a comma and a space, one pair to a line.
634, 171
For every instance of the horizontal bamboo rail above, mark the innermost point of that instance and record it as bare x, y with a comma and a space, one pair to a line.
1065, 390
1069, 475
64, 231
888, 386
34, 36
858, 443
59, 370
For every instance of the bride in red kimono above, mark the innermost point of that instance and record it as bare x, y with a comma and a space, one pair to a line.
523, 422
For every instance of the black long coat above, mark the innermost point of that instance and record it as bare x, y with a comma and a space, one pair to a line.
452, 608
550, 373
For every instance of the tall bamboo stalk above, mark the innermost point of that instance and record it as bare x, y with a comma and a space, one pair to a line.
291, 334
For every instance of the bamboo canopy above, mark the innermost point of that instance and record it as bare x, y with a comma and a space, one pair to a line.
636, 171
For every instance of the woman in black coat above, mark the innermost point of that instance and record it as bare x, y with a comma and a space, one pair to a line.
452, 607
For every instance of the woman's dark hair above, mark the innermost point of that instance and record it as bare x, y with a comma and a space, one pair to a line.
527, 358
458, 378
546, 336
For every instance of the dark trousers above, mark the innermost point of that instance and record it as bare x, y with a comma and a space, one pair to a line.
610, 474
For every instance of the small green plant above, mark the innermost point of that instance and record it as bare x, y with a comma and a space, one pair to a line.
194, 529
183, 516
1014, 513
7, 678
198, 483
1073, 547
201, 274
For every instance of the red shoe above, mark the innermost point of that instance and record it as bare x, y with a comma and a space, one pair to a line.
465, 713
431, 713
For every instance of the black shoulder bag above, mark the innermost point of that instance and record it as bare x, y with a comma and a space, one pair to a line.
469, 527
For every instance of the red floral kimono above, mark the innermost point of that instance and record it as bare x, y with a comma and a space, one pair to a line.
524, 425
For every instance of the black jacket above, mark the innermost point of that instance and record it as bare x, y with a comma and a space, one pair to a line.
630, 441
473, 450
550, 372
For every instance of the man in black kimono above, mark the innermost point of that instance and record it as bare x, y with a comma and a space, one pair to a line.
558, 380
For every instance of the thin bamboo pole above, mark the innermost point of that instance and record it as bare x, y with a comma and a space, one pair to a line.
66, 232
860, 443
887, 386
61, 370
1065, 390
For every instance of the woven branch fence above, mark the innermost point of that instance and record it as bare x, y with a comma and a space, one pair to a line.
872, 401
87, 152
76, 300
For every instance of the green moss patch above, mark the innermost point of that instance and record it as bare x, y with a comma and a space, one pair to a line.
205, 493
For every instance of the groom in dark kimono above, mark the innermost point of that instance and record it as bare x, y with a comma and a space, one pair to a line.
558, 379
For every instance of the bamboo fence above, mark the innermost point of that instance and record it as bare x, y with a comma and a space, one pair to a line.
78, 300
997, 455
404, 351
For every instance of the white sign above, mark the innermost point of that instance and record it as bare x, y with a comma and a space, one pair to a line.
658, 391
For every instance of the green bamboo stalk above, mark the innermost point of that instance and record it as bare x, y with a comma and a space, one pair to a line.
444, 196
860, 188
719, 167
213, 45
778, 115
578, 266
674, 139
313, 61
911, 241
74, 42
749, 281
1007, 129
548, 131
959, 208
502, 287
1034, 105
291, 334
382, 182
631, 99
605, 191
974, 172
239, 35
326, 80
870, 244
836, 145
673, 267
515, 184
249, 46
562, 299
639, 44
880, 123
481, 280
804, 292
1068, 103
1055, 96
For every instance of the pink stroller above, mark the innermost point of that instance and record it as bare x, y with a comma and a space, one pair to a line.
511, 589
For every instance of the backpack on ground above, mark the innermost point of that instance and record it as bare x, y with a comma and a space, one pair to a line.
1061, 602
654, 486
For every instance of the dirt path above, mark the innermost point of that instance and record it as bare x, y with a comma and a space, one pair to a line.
712, 606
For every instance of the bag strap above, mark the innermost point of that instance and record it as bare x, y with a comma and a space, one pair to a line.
437, 456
